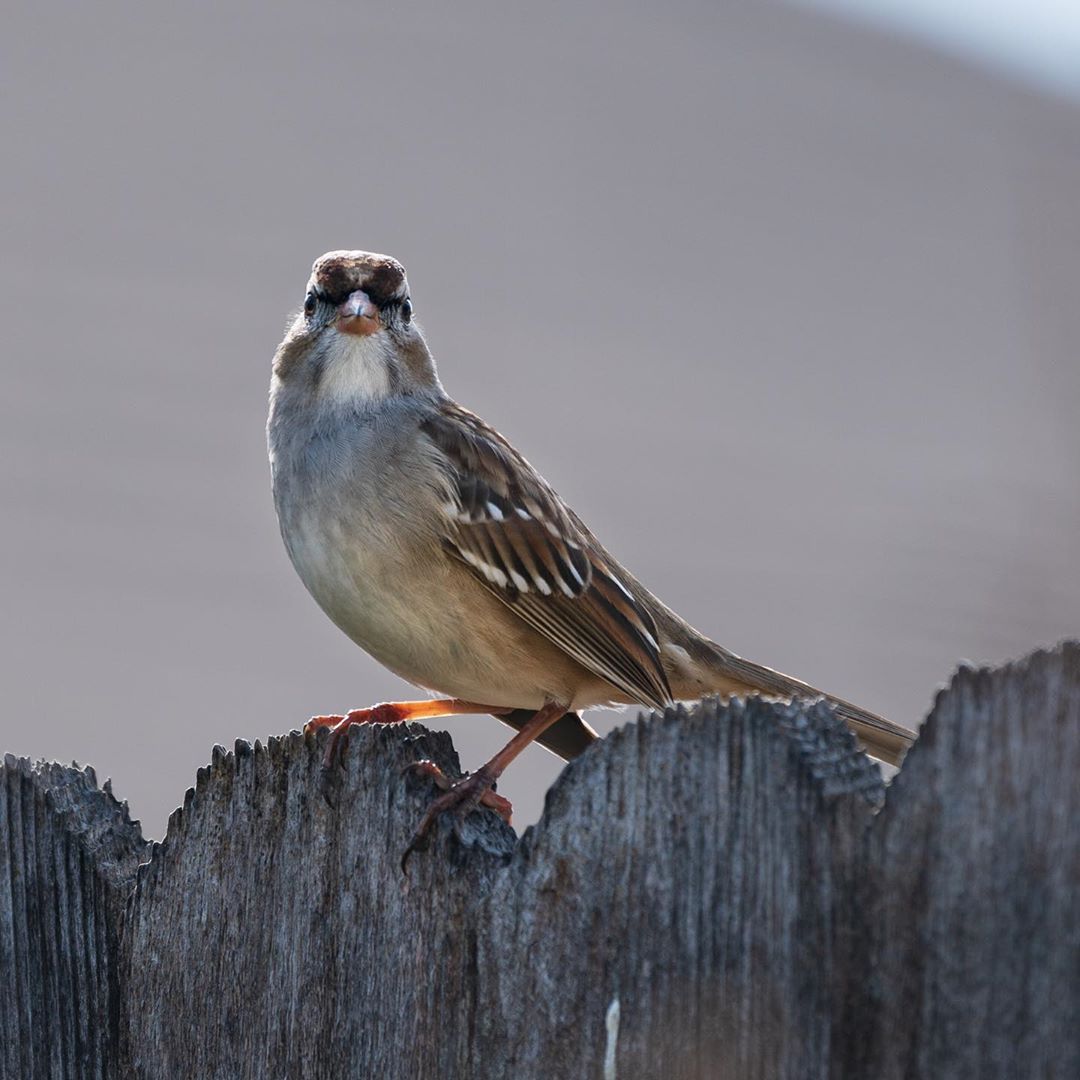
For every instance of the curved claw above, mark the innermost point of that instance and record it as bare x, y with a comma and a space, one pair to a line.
417, 843
317, 722
330, 786
339, 728
461, 798
494, 801
477, 788
428, 768
389, 712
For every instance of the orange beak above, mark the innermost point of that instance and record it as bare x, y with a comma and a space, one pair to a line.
358, 315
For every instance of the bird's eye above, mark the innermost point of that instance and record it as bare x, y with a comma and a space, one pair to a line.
406, 309
309, 304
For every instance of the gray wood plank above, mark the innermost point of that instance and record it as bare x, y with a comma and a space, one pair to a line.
971, 893
721, 892
68, 854
682, 878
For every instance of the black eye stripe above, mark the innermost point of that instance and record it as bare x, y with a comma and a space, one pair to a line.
315, 295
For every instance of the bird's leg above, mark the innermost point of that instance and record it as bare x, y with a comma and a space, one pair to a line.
474, 789
389, 712
489, 798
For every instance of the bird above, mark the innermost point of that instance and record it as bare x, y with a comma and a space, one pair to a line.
436, 547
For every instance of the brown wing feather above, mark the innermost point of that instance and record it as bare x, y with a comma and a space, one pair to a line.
514, 533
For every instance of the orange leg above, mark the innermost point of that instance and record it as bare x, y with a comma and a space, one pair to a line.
466, 794
389, 712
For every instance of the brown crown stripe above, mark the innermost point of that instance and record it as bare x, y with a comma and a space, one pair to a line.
381, 277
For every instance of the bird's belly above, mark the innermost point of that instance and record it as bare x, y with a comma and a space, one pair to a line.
435, 627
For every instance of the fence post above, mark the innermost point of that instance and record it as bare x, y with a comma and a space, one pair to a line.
68, 855
725, 891
971, 903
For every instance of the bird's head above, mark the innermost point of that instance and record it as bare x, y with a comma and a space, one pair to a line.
357, 292
355, 341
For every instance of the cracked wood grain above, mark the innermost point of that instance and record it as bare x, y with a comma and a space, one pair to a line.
971, 897
721, 892
690, 864
68, 857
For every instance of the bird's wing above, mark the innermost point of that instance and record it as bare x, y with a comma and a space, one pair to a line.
511, 529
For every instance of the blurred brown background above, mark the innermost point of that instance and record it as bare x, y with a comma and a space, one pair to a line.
786, 308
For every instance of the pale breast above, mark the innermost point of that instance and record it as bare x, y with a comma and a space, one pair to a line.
428, 620
359, 506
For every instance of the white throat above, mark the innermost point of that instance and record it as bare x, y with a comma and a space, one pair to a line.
356, 369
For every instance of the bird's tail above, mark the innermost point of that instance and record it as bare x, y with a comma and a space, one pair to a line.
714, 669
707, 668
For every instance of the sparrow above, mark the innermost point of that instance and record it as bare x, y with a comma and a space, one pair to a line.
436, 547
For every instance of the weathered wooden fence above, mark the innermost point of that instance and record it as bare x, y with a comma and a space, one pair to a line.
726, 892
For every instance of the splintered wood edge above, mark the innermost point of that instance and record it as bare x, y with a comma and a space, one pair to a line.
90, 814
815, 740
818, 742
391, 746
973, 683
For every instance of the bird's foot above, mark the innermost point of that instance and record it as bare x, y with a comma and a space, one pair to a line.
461, 797
390, 712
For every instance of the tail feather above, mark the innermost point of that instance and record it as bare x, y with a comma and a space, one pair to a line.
721, 671
716, 670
